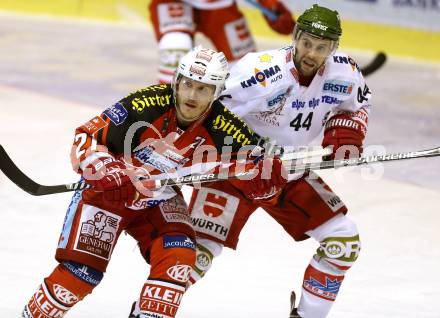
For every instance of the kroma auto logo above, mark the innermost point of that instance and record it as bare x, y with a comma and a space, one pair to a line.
346, 60
261, 76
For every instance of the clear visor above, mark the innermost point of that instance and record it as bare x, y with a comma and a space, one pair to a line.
196, 89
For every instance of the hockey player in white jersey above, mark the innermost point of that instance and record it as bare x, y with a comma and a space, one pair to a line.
290, 96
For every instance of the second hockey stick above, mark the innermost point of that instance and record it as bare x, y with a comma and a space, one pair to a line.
378, 61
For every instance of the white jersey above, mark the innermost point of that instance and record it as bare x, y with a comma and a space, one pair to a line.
264, 91
209, 4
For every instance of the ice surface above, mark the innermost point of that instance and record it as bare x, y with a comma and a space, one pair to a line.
49, 86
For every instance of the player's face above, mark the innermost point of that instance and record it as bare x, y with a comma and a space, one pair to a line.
193, 99
311, 53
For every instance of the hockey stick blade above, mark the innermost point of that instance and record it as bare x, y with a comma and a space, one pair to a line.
27, 184
378, 61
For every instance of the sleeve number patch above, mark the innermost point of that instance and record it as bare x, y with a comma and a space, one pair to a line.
363, 95
82, 138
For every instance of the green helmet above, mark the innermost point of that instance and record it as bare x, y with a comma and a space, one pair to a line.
320, 21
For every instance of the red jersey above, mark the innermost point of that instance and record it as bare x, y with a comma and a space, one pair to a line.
142, 130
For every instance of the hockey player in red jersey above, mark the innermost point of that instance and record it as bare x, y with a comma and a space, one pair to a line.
157, 130
175, 23
290, 96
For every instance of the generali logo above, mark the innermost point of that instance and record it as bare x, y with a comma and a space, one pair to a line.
97, 235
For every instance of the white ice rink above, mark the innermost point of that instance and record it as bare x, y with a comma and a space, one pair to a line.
395, 275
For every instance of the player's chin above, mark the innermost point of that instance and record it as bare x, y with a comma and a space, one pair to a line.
190, 111
189, 115
307, 71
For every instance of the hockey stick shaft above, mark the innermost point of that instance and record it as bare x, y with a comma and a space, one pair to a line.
268, 13
9, 168
323, 165
33, 188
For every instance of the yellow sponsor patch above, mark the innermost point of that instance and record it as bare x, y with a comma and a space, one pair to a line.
140, 103
266, 58
226, 125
